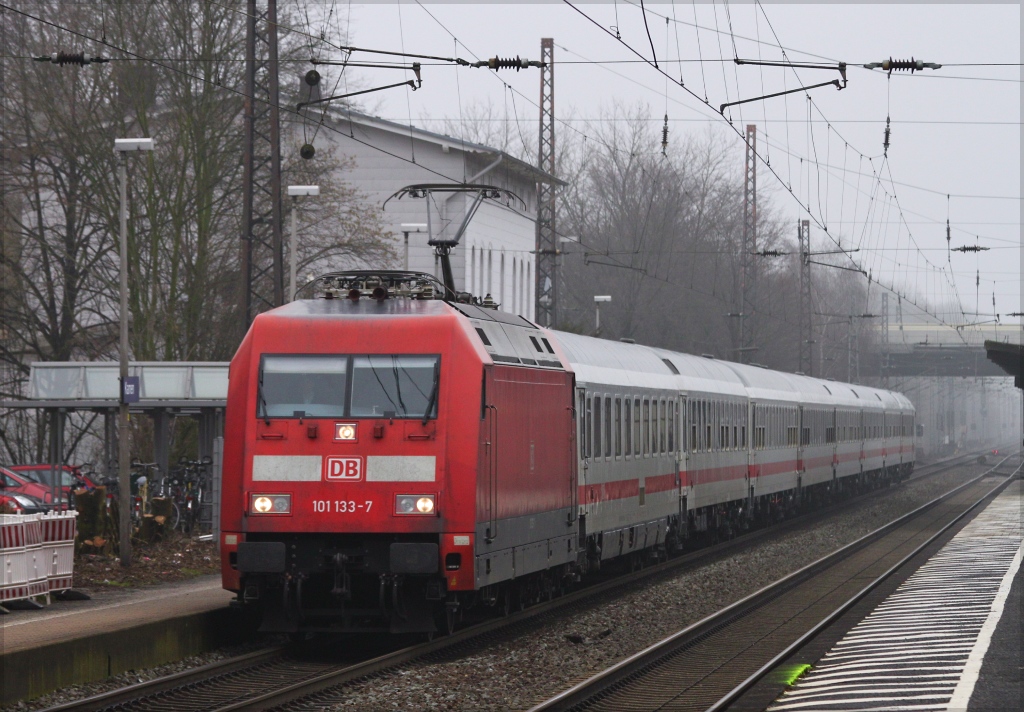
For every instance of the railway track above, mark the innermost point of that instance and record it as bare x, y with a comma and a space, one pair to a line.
278, 676
709, 665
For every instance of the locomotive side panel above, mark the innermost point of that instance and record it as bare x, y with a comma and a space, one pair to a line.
525, 476
232, 488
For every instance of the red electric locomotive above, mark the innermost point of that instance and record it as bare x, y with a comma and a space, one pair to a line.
386, 463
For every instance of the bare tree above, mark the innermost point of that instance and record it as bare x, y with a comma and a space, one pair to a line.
61, 197
662, 233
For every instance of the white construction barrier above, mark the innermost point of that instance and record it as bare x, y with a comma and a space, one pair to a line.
13, 557
37, 565
37, 554
59, 529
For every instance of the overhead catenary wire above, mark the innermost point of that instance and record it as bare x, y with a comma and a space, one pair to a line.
807, 207
513, 100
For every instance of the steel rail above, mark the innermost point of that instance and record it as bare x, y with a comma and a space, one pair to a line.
184, 678
190, 679
652, 655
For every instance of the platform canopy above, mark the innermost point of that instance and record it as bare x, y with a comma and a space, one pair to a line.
1009, 357
88, 385
167, 389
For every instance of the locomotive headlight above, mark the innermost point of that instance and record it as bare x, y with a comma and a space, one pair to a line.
344, 431
414, 504
271, 504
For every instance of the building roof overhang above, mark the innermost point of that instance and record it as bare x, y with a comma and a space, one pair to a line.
448, 143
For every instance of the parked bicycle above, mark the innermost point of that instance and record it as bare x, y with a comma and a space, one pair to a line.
140, 475
188, 485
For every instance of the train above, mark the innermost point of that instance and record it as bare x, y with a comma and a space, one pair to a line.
397, 454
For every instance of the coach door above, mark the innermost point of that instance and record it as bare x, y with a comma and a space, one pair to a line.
682, 449
583, 419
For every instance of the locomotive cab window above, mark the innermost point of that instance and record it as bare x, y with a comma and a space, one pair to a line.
332, 386
313, 386
394, 386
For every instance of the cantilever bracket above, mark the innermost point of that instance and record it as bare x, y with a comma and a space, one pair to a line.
839, 84
410, 83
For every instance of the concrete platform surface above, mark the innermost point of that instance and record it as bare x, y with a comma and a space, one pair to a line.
110, 610
949, 638
73, 642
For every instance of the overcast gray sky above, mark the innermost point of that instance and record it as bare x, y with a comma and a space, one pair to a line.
956, 131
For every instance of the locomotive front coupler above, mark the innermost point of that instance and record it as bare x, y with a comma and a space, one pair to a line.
342, 580
392, 582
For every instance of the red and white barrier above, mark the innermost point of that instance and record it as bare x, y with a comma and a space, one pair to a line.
37, 554
59, 529
37, 565
13, 557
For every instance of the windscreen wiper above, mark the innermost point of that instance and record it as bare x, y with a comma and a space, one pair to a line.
376, 375
398, 386
262, 400
433, 392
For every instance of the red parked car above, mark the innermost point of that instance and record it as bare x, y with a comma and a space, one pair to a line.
71, 477
22, 494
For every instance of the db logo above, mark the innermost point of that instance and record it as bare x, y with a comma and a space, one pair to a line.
339, 469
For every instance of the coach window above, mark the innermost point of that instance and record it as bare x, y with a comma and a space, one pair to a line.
736, 427
654, 426
637, 447
608, 426
709, 435
662, 422
597, 426
647, 427
698, 440
693, 426
627, 420
672, 405
618, 427
705, 426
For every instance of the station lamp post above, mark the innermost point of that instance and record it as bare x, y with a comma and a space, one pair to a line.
295, 191
129, 388
406, 229
598, 300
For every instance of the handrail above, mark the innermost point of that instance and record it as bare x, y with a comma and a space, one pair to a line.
492, 466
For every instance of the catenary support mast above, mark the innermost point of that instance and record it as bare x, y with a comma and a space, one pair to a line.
262, 245
747, 283
806, 305
547, 241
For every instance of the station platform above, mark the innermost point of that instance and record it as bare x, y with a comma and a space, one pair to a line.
948, 638
71, 642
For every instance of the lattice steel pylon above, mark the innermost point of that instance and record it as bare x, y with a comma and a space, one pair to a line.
262, 247
885, 339
747, 281
547, 242
806, 306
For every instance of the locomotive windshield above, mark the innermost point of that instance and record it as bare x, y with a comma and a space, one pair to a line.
336, 386
403, 385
